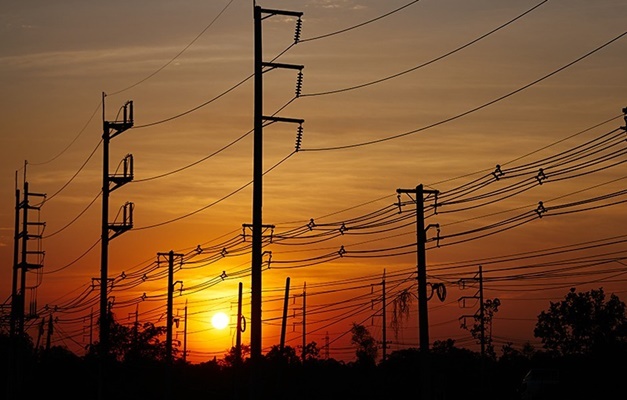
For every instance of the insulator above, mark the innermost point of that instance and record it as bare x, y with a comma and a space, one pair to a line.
541, 176
299, 137
540, 209
128, 112
497, 172
299, 83
131, 207
299, 25
342, 251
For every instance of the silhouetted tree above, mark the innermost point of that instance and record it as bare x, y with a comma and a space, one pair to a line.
366, 346
287, 356
137, 343
490, 308
583, 323
231, 358
443, 346
311, 351
144, 344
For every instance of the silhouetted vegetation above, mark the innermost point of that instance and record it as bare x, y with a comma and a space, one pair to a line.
584, 339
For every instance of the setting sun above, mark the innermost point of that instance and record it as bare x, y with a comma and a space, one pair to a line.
220, 320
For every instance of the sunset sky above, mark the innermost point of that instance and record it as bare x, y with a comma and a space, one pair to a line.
498, 105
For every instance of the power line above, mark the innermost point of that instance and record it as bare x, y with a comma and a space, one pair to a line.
73, 140
427, 62
385, 139
177, 55
213, 203
361, 24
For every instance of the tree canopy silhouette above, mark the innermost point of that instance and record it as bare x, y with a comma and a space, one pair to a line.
583, 323
365, 345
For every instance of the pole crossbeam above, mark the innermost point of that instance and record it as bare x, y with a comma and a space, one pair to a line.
281, 65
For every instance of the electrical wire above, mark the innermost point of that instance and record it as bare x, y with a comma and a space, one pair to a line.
472, 110
74, 219
361, 24
396, 75
73, 140
177, 55
213, 203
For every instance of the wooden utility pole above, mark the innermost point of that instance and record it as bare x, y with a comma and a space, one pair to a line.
421, 238
284, 319
384, 322
259, 118
238, 333
304, 321
423, 309
110, 130
185, 336
170, 318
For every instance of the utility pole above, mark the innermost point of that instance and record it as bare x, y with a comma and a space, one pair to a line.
257, 220
26, 263
284, 320
482, 319
169, 313
169, 316
49, 334
423, 317
304, 322
239, 327
421, 238
481, 312
25, 259
385, 339
88, 329
91, 328
15, 297
383, 316
185, 336
111, 129
40, 333
479, 315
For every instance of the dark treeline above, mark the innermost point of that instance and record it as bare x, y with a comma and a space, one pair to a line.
454, 374
584, 341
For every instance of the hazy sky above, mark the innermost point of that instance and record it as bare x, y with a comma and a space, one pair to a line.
394, 94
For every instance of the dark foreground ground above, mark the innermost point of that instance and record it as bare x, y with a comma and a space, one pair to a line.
448, 376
